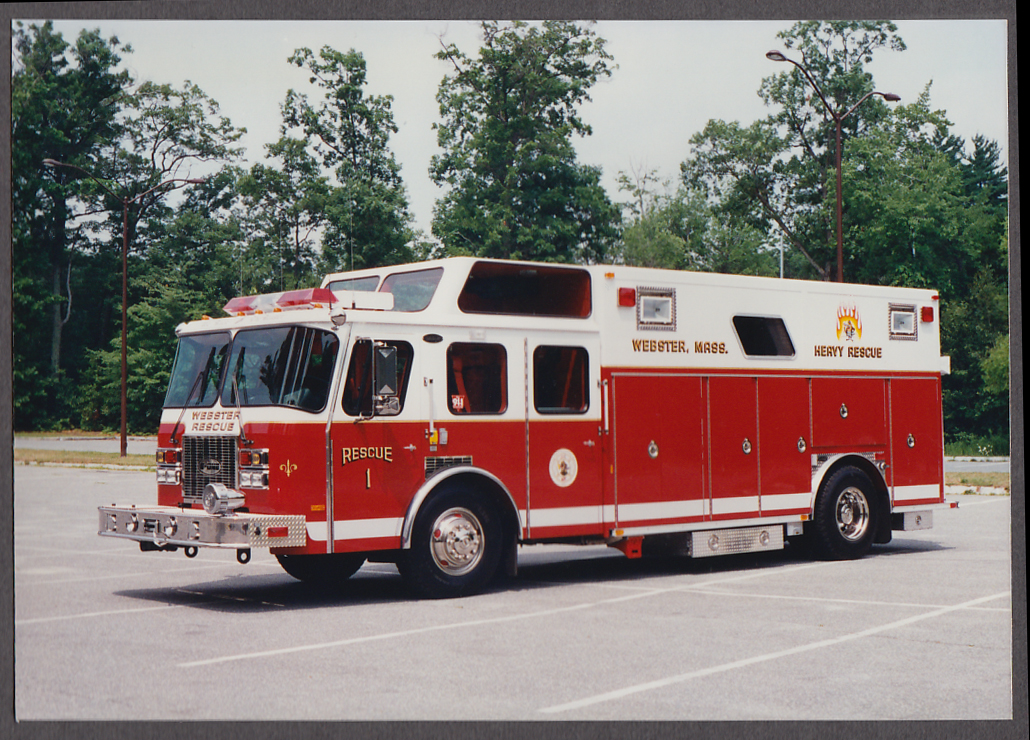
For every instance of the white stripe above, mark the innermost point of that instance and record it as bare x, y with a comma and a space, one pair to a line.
781, 501
565, 516
909, 493
357, 529
734, 505
660, 510
661, 683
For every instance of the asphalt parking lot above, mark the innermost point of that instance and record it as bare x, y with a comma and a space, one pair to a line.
919, 630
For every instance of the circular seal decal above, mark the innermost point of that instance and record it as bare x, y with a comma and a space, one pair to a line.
563, 467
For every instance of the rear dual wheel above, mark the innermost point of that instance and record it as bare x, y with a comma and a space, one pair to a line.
845, 515
455, 545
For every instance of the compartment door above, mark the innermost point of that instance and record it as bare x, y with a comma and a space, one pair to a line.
658, 429
733, 438
917, 445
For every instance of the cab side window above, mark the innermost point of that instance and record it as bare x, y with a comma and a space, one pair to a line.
357, 387
477, 378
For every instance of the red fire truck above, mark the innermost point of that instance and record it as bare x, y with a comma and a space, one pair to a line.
439, 415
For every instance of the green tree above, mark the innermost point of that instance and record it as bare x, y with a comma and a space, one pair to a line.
514, 186
778, 173
681, 231
283, 210
167, 134
919, 208
64, 104
366, 218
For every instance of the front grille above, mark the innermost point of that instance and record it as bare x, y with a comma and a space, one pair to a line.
207, 460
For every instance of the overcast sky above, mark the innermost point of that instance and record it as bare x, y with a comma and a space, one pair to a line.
672, 78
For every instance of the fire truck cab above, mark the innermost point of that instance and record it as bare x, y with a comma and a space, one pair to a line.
438, 415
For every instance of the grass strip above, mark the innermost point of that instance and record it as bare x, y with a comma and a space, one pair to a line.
71, 457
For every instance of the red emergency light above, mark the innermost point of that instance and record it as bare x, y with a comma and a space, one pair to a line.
317, 297
274, 302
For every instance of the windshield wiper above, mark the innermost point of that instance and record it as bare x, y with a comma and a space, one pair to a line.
239, 412
186, 403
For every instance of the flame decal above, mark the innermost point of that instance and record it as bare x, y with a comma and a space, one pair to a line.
849, 325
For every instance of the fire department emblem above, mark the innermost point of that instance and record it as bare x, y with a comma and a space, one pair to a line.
563, 468
849, 324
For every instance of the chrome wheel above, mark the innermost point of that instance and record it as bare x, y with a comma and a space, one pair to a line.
456, 544
847, 510
852, 514
457, 541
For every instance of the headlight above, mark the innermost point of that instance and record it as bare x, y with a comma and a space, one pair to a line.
219, 499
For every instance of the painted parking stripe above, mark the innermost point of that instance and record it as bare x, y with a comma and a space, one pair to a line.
832, 642
493, 620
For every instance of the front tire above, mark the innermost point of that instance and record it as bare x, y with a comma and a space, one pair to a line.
322, 570
455, 546
845, 515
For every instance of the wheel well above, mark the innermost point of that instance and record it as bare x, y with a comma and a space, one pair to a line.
483, 483
883, 503
498, 496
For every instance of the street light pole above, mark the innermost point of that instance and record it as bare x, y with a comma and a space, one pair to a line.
778, 56
126, 201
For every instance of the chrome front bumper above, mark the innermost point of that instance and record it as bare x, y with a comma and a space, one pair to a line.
170, 526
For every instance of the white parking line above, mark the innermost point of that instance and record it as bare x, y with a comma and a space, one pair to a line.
661, 683
818, 599
494, 620
114, 612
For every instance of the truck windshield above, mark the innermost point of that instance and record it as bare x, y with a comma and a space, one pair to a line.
281, 366
197, 370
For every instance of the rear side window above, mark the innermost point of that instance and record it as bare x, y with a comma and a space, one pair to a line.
365, 284
526, 290
477, 378
412, 291
763, 336
560, 380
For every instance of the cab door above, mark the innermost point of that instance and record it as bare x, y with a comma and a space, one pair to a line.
374, 448
564, 437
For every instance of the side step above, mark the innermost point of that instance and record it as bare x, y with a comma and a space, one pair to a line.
733, 541
703, 544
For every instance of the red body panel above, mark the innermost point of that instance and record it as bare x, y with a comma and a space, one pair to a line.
681, 448
848, 412
784, 434
658, 448
733, 410
921, 462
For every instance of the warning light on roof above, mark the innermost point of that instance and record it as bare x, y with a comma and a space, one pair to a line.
627, 297
275, 302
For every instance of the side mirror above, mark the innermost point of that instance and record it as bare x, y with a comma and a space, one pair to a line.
386, 381
385, 370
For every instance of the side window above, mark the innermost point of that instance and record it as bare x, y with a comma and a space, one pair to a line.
477, 378
560, 377
763, 336
357, 387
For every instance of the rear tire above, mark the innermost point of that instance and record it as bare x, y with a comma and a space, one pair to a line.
455, 545
322, 570
845, 515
